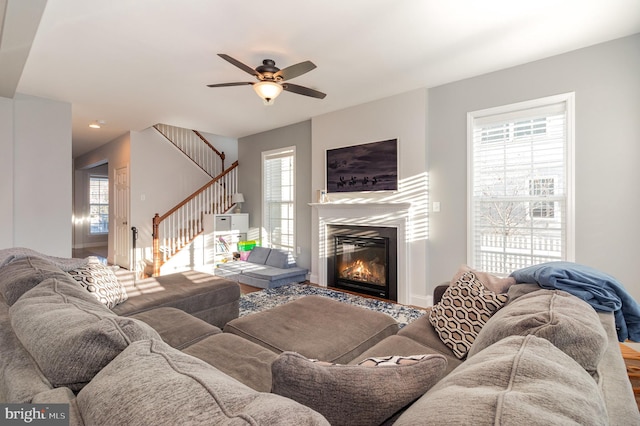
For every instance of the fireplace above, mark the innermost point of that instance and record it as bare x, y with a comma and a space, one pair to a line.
364, 260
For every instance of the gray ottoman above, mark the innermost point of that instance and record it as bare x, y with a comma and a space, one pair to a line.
316, 327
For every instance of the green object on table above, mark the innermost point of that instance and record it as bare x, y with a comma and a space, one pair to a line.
246, 245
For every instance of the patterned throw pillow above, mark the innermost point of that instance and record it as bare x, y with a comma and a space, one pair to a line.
100, 280
464, 309
390, 361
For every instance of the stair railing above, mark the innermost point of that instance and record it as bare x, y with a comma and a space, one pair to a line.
195, 146
180, 225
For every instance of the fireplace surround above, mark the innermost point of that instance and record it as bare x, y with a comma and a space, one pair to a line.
383, 214
364, 260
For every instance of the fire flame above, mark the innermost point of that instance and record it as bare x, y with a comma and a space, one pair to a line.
371, 272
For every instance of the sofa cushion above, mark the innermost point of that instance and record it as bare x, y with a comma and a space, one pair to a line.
177, 328
462, 312
71, 337
566, 321
20, 276
240, 358
210, 298
279, 259
100, 280
259, 255
153, 382
354, 395
518, 380
271, 273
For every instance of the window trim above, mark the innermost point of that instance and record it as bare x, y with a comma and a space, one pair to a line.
512, 112
90, 204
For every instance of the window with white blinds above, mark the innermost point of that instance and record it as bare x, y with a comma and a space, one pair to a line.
98, 204
278, 219
521, 185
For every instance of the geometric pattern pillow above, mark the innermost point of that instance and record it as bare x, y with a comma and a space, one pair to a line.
464, 309
385, 361
390, 361
100, 281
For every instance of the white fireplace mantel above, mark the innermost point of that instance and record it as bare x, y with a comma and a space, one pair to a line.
394, 215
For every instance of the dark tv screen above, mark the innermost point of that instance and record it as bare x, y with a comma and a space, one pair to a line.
367, 167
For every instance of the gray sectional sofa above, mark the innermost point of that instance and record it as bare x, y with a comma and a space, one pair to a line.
264, 268
545, 357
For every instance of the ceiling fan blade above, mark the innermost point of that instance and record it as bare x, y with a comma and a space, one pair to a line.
295, 70
237, 63
301, 90
229, 84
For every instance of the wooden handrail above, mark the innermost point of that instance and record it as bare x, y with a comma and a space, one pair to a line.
157, 219
179, 146
203, 139
195, 194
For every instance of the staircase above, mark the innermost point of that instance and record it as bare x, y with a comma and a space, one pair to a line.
178, 227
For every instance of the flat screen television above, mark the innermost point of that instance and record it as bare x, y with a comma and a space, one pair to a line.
366, 167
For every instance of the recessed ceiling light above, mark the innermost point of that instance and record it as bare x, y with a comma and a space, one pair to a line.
97, 124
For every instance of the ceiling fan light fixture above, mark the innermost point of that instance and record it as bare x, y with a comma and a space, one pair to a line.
267, 90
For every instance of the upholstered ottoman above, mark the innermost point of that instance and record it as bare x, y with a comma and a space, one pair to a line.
316, 327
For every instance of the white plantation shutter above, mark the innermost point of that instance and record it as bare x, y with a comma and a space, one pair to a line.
520, 185
278, 198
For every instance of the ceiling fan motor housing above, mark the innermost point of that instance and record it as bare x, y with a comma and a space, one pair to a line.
268, 69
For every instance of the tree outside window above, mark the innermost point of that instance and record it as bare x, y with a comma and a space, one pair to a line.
98, 204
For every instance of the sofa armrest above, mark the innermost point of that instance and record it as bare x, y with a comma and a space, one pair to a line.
439, 291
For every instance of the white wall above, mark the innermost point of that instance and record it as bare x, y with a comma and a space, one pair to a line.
404, 117
37, 184
606, 82
6, 172
229, 146
160, 178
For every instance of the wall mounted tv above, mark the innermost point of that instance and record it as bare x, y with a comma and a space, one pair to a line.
367, 167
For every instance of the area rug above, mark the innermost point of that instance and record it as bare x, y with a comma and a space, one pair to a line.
272, 297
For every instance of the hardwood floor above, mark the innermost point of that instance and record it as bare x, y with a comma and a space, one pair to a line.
99, 252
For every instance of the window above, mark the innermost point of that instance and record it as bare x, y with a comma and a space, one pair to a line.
98, 204
278, 171
520, 185
542, 188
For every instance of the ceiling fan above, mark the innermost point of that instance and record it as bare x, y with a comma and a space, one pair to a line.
273, 80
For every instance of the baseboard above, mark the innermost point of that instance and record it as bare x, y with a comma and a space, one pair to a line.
421, 301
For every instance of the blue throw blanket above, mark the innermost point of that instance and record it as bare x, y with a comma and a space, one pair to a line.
600, 290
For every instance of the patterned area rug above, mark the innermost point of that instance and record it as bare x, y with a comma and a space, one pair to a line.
272, 297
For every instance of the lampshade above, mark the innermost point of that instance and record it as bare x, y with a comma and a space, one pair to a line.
267, 90
237, 198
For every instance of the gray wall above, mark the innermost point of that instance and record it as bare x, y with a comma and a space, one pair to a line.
250, 150
606, 82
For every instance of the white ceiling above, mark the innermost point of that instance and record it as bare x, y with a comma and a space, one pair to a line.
137, 63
